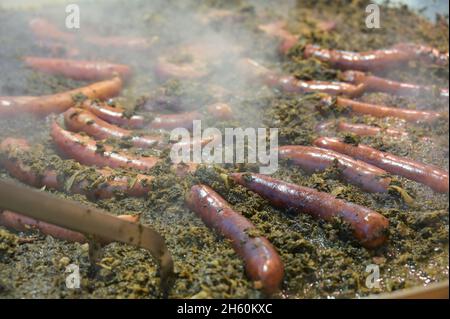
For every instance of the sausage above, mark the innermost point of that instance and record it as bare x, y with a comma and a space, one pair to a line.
378, 84
188, 63
382, 111
79, 69
377, 59
221, 111
262, 263
107, 186
23, 223
165, 69
277, 29
369, 227
430, 175
172, 121
114, 114
289, 40
313, 159
290, 84
45, 30
59, 102
369, 130
324, 126
81, 120
120, 42
19, 222
86, 151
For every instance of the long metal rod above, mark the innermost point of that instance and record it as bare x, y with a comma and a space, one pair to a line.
88, 220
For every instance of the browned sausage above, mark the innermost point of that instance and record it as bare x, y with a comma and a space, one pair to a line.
114, 114
117, 115
120, 42
79, 69
313, 159
376, 59
369, 130
382, 111
188, 62
290, 84
108, 185
19, 222
221, 111
59, 102
377, 84
369, 227
430, 175
24, 223
45, 30
81, 120
277, 29
86, 151
262, 263
172, 121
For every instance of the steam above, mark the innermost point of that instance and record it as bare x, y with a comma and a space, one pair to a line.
221, 36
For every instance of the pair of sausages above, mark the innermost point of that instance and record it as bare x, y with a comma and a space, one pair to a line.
369, 227
81, 120
378, 84
430, 175
87, 151
380, 111
59, 102
262, 263
117, 115
290, 84
107, 186
361, 174
376, 59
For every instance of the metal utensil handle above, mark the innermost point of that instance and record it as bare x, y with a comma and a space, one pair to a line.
89, 220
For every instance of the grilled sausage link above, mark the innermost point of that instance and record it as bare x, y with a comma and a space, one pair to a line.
107, 186
45, 30
114, 114
430, 175
382, 111
369, 227
361, 174
378, 84
262, 263
377, 59
290, 84
369, 130
24, 223
59, 102
78, 69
